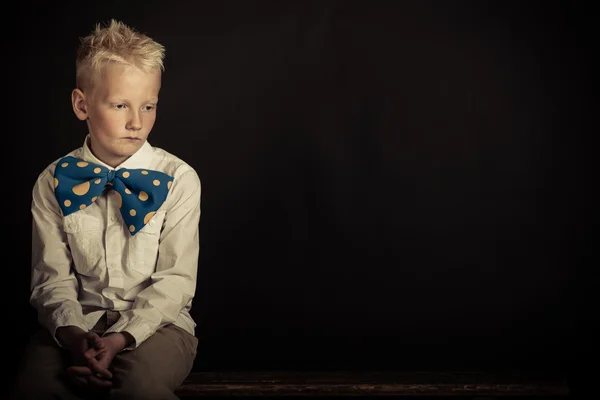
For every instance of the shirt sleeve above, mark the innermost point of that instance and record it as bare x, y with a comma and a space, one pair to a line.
54, 286
173, 283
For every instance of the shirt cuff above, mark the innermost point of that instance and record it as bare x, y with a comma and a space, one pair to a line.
68, 318
136, 327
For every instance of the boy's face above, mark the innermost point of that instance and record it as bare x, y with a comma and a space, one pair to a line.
120, 111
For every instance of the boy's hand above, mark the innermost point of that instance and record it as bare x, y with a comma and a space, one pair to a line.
96, 367
99, 359
79, 342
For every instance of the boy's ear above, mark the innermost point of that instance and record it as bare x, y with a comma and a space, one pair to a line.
79, 104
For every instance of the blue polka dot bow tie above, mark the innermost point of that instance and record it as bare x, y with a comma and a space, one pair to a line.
140, 192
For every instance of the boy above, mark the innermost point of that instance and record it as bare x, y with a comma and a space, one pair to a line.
115, 240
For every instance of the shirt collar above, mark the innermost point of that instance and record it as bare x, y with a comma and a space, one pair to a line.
139, 159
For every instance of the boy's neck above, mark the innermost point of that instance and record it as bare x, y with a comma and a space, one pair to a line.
113, 162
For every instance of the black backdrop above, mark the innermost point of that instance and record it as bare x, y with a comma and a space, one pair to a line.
385, 184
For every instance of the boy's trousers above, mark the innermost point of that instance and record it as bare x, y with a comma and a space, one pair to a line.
154, 370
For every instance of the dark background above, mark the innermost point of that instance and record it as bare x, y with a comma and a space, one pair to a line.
386, 185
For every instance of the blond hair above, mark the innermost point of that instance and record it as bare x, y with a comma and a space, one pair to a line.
119, 43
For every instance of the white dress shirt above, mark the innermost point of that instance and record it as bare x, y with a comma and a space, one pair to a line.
88, 262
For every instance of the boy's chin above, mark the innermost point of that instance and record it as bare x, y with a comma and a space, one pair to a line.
129, 146
124, 152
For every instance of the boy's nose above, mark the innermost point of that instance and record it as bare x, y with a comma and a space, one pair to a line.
134, 123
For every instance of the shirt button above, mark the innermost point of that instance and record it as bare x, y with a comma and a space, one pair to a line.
113, 219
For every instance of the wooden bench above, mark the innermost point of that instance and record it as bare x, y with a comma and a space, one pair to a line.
426, 384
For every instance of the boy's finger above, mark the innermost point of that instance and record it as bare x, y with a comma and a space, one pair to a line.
98, 382
91, 353
79, 370
91, 335
99, 369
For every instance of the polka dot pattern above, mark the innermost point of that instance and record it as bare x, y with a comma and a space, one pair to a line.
139, 192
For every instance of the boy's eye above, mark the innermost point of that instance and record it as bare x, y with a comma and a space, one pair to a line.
119, 106
149, 108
